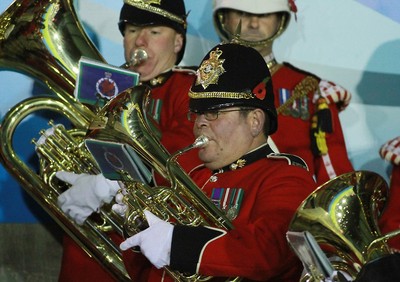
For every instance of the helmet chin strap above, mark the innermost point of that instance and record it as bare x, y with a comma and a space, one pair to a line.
236, 36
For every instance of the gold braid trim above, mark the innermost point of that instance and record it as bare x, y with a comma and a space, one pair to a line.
222, 95
147, 7
302, 89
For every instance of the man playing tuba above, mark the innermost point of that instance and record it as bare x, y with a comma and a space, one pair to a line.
232, 105
158, 28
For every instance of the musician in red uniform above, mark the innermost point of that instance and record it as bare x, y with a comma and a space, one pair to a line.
307, 106
159, 28
390, 219
232, 104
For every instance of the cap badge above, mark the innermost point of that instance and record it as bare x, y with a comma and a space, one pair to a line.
210, 69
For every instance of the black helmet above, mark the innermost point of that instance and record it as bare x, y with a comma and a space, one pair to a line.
232, 75
171, 13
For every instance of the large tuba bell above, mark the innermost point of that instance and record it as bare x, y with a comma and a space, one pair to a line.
45, 40
342, 217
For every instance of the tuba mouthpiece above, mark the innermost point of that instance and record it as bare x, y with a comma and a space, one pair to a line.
137, 57
200, 141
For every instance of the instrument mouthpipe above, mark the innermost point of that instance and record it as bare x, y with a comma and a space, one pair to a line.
138, 57
199, 142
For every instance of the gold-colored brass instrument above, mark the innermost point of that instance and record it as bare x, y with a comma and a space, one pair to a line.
342, 215
45, 40
124, 120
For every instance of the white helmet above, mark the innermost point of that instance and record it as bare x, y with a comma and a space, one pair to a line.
252, 7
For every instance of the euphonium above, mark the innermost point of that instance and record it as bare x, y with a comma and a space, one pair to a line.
342, 216
124, 120
45, 40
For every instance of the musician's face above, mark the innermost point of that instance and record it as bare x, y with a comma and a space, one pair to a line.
161, 43
231, 135
254, 27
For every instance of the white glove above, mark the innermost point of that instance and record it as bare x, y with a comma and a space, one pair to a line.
154, 242
119, 207
86, 195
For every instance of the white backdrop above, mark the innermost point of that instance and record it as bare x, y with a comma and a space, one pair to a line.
353, 43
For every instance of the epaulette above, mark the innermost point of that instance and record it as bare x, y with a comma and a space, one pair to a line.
291, 159
306, 73
185, 69
335, 94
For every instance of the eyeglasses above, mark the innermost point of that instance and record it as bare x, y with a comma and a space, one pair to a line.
213, 115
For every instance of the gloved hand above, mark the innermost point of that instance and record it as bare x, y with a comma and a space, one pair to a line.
154, 242
119, 207
390, 151
87, 194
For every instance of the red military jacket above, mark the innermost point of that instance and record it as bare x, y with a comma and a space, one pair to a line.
262, 196
296, 96
390, 219
169, 107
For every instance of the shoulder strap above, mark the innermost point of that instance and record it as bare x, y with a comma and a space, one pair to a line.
185, 69
291, 159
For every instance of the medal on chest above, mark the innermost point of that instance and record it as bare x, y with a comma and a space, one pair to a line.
291, 106
228, 199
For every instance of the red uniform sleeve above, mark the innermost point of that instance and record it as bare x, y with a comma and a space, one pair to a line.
390, 219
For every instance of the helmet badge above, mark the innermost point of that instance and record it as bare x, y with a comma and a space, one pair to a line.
210, 69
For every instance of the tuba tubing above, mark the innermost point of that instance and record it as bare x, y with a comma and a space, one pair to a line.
88, 237
112, 125
124, 120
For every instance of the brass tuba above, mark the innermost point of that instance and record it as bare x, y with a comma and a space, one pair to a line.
45, 40
342, 216
124, 120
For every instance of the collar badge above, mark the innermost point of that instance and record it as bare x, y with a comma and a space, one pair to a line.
238, 164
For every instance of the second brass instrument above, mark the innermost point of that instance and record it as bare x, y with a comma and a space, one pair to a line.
342, 215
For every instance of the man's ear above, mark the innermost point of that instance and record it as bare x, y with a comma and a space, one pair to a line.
257, 120
178, 43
